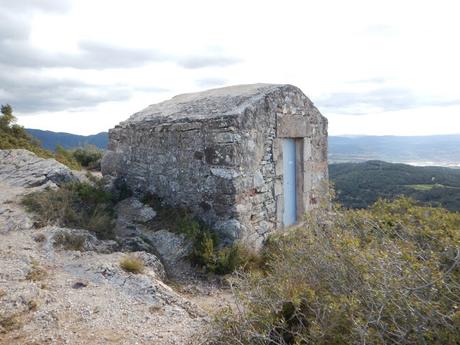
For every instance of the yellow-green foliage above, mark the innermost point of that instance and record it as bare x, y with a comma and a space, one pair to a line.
66, 157
13, 136
207, 252
386, 275
76, 205
89, 157
132, 264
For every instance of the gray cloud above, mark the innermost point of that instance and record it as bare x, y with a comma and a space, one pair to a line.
380, 29
34, 5
376, 80
23, 66
215, 60
92, 55
29, 93
18, 51
13, 28
210, 82
384, 99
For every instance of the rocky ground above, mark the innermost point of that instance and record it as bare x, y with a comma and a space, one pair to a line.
52, 295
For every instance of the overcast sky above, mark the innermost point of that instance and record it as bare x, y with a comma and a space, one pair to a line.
371, 67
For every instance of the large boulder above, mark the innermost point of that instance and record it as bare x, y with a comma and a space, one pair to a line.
22, 168
22, 172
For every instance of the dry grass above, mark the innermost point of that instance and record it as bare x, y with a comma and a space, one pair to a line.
74, 205
36, 272
9, 323
69, 241
132, 264
32, 305
39, 238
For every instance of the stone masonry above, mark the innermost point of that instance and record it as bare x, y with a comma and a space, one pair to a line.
219, 154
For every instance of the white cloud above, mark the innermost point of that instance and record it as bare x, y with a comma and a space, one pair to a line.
105, 59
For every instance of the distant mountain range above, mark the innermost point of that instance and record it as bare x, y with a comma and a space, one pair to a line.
441, 150
49, 139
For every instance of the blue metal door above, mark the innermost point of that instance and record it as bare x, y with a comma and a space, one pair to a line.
289, 178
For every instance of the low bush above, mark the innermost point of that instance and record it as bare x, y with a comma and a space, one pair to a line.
36, 272
66, 157
69, 241
132, 264
75, 205
9, 323
89, 157
386, 275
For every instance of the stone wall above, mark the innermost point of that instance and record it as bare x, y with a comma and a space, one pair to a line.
225, 167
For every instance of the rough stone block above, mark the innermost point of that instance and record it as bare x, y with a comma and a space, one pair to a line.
219, 154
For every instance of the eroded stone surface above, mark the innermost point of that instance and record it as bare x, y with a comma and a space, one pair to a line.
22, 172
218, 153
51, 293
22, 168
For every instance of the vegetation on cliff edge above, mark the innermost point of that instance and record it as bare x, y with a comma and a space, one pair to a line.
13, 136
385, 275
75, 205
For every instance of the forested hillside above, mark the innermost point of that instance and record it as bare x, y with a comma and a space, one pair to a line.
49, 140
358, 185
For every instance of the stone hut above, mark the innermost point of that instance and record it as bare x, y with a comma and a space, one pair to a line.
245, 159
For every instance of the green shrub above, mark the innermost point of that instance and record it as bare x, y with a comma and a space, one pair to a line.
386, 275
13, 136
66, 157
206, 250
88, 157
132, 264
76, 205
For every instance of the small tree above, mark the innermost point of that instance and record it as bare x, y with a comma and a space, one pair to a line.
7, 118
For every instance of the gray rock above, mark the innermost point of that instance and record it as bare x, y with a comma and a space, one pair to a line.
135, 244
228, 229
77, 239
173, 249
131, 214
22, 168
133, 211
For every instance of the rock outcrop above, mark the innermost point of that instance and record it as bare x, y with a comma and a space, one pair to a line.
22, 172
65, 286
22, 168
